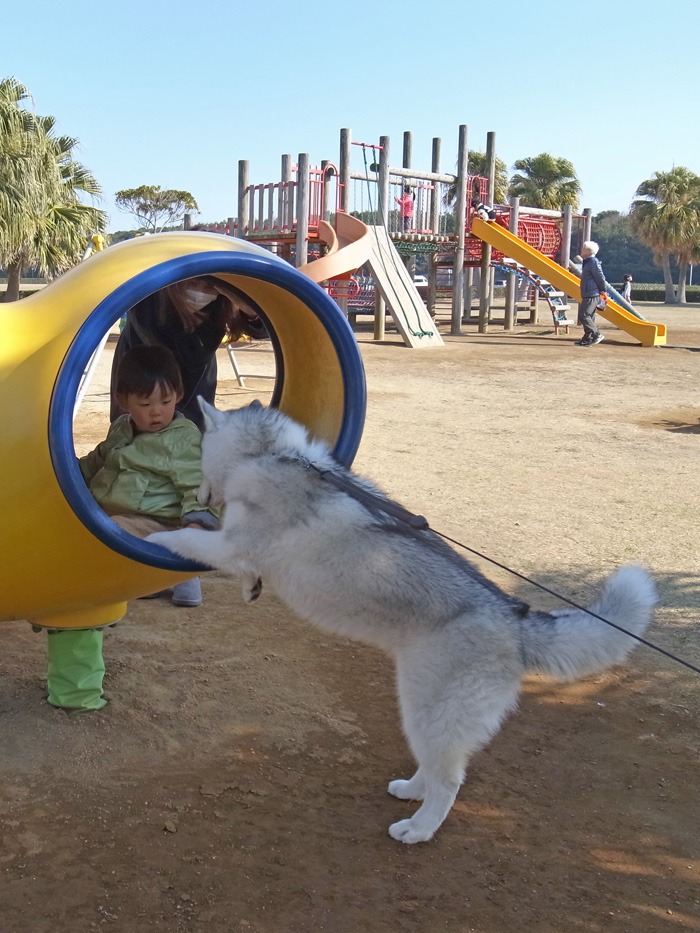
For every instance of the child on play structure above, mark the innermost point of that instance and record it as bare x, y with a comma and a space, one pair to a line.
406, 206
146, 473
483, 210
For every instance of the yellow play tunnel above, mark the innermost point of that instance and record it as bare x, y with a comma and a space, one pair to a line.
65, 564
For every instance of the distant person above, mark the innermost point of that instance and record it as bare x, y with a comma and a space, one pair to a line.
407, 207
593, 295
146, 473
627, 288
484, 211
191, 318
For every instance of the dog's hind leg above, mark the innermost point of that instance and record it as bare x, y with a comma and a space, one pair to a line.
441, 780
448, 714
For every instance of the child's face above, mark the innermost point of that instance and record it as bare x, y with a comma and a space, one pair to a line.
151, 413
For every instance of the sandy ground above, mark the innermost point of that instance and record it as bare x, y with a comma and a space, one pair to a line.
236, 781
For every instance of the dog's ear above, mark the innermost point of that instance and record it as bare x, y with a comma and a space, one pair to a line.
212, 417
256, 404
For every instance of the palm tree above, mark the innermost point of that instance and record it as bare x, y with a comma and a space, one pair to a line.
666, 217
17, 178
545, 181
44, 186
477, 165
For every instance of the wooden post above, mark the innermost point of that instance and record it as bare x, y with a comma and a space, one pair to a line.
566, 226
407, 149
284, 220
460, 225
270, 206
510, 313
383, 210
587, 223
187, 221
231, 224
344, 168
302, 239
432, 283
485, 284
344, 182
434, 223
326, 205
468, 289
410, 260
435, 193
243, 198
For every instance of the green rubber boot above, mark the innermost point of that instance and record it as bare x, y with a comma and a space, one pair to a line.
76, 669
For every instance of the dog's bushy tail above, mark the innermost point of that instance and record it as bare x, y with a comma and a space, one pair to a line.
569, 643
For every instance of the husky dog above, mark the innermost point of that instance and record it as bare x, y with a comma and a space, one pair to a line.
321, 538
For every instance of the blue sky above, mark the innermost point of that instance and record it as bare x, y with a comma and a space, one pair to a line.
174, 93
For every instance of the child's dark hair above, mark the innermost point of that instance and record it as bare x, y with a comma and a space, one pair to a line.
406, 189
143, 369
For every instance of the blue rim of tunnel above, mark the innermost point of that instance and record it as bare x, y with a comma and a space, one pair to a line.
268, 269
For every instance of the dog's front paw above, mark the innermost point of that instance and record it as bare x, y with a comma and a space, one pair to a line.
252, 589
405, 790
162, 538
410, 832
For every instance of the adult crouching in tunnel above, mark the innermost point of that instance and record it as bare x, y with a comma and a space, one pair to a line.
191, 318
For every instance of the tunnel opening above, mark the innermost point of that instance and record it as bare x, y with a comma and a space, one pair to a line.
242, 276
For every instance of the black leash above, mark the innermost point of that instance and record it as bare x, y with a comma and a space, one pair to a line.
420, 523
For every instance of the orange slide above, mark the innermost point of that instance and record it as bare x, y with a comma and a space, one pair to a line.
348, 248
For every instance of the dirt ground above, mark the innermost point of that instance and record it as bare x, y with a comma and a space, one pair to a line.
237, 779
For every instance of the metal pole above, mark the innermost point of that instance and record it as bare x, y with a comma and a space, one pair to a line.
344, 168
383, 202
243, 198
302, 239
510, 314
485, 284
460, 225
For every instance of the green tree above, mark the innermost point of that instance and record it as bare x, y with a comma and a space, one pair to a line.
477, 165
621, 250
49, 224
545, 181
666, 217
18, 184
155, 208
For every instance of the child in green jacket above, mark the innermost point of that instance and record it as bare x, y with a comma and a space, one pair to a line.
147, 471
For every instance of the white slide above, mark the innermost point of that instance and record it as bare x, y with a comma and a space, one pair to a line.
402, 297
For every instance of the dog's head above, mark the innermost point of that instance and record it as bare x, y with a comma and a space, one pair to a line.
242, 434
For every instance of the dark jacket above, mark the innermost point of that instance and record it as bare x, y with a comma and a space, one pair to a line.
592, 278
154, 320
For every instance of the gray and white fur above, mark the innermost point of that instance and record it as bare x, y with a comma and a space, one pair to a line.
460, 644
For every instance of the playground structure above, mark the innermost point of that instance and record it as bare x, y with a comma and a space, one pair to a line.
289, 216
66, 565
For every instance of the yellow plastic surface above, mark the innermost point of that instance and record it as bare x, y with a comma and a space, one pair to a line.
55, 572
647, 333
